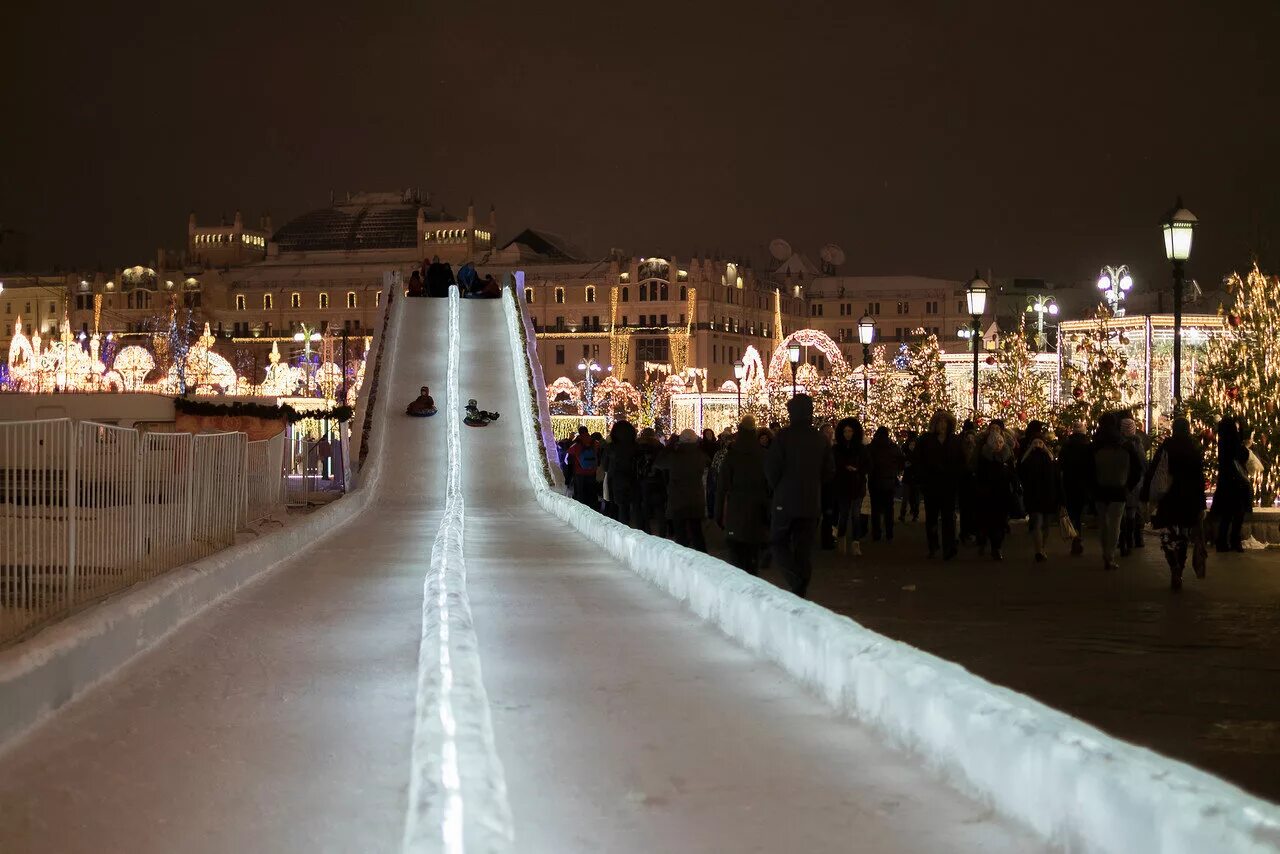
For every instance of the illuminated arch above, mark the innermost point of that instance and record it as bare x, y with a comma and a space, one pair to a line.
612, 394
807, 338
563, 385
754, 378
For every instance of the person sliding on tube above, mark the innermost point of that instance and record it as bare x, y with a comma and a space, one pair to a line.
477, 417
423, 405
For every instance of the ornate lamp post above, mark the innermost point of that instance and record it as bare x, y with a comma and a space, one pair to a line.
590, 367
1178, 227
1041, 305
866, 334
1115, 283
793, 356
739, 373
975, 294
306, 337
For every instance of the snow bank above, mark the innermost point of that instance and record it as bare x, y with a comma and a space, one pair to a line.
1073, 784
457, 791
65, 660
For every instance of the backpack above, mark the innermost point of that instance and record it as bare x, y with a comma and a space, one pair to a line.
588, 459
1111, 467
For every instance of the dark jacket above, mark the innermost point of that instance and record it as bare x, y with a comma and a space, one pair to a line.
1183, 504
439, 277
1112, 454
995, 480
653, 483
1075, 463
742, 492
798, 463
620, 462
1233, 490
885, 461
851, 461
939, 463
684, 465
1039, 475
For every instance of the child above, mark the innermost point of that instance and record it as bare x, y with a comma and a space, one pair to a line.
477, 417
423, 406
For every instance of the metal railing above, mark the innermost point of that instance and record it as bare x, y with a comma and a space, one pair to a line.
89, 509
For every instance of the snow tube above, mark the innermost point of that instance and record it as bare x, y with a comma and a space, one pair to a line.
427, 414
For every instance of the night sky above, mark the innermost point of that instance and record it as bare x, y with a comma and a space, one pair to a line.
931, 139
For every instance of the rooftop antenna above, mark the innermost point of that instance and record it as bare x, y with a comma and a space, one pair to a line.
832, 257
780, 250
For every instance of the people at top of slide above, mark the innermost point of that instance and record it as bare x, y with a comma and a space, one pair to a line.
423, 405
438, 278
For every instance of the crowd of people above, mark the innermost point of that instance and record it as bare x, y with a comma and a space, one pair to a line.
435, 278
778, 492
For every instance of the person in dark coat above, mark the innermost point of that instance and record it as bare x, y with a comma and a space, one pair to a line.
849, 484
1041, 492
910, 483
967, 488
619, 461
1132, 522
685, 465
416, 287
995, 480
742, 498
1179, 513
710, 446
438, 278
1075, 466
939, 465
799, 462
885, 461
652, 483
1234, 494
1117, 469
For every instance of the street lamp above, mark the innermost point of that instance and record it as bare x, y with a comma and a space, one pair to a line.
590, 367
793, 356
307, 336
1178, 227
739, 373
975, 294
866, 334
1041, 305
1115, 283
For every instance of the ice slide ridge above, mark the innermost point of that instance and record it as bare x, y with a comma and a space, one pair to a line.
457, 791
1071, 783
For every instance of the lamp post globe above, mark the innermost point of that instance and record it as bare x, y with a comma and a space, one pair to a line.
1178, 228
793, 356
866, 334
975, 294
739, 374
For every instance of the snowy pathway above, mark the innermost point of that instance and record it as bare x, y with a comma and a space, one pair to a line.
626, 724
280, 719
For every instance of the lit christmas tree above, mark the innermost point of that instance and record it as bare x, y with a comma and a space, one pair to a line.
1095, 375
1240, 372
1013, 391
884, 396
926, 389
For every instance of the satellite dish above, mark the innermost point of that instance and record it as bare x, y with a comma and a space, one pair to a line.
779, 249
832, 254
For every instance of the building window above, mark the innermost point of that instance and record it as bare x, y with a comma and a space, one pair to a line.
528, 295
684, 293
624, 322
324, 300
351, 299
653, 350
873, 308
239, 302
295, 300
626, 294
904, 308
586, 351
377, 298
266, 302
591, 293
559, 296
664, 292
644, 292
663, 320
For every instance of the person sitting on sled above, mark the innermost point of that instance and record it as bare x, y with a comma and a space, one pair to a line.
477, 417
423, 405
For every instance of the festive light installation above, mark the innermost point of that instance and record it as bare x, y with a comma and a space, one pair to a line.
1239, 374
806, 338
926, 389
1013, 390
1096, 378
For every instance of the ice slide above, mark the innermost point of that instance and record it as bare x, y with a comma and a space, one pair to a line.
318, 708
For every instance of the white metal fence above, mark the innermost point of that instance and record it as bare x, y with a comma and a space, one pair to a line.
88, 509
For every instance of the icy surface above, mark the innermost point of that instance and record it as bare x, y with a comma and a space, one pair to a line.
280, 719
627, 724
457, 796
1068, 781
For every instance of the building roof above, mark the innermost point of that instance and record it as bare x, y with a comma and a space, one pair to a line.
543, 245
348, 228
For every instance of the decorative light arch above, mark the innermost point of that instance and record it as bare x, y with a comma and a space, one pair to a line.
754, 378
563, 385
612, 394
807, 338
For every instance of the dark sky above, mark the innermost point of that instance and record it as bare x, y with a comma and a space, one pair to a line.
925, 137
